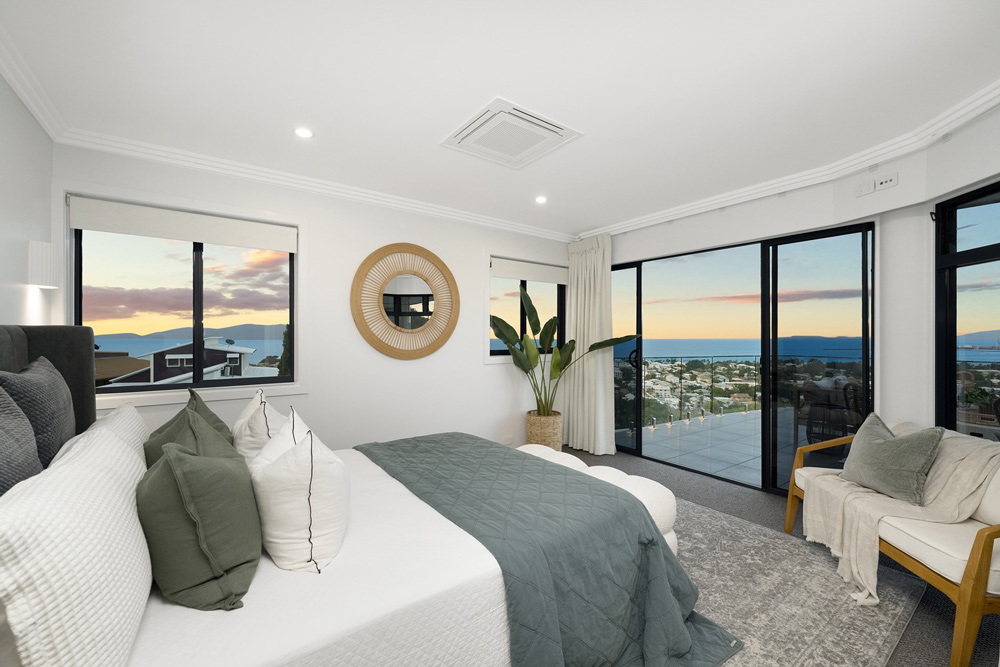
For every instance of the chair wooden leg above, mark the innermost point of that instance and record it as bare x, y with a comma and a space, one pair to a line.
968, 618
790, 510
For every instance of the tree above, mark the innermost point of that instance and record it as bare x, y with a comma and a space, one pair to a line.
285, 362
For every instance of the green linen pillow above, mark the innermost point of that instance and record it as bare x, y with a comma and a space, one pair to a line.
178, 428
198, 512
893, 465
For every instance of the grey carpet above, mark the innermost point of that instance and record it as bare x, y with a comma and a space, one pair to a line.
927, 638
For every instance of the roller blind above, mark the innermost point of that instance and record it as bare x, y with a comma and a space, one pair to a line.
107, 216
520, 270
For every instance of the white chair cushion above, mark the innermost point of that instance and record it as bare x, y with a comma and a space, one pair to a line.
74, 567
303, 495
804, 475
943, 547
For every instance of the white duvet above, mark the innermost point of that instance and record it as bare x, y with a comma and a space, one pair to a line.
407, 588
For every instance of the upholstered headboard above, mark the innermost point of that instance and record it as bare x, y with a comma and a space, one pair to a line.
71, 351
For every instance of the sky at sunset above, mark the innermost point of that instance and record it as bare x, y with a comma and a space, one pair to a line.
505, 299
717, 294
141, 285
978, 287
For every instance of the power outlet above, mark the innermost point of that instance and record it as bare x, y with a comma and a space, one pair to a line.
507, 440
864, 188
887, 181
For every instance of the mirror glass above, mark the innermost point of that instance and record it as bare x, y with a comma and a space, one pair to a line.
408, 301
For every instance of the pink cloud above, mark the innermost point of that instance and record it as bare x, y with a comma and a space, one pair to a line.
981, 286
783, 297
103, 303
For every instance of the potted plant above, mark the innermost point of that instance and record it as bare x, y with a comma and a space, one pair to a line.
544, 371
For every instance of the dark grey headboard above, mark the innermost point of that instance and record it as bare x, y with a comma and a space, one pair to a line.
69, 348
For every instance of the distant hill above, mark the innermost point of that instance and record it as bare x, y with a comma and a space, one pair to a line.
991, 337
237, 332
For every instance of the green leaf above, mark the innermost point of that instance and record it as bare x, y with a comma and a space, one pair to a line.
600, 345
555, 363
530, 350
520, 359
548, 334
529, 310
566, 353
504, 331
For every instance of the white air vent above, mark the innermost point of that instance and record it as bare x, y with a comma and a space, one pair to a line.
509, 135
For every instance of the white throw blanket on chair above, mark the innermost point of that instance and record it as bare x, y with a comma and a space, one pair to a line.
844, 516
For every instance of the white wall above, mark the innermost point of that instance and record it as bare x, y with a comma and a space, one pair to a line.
348, 392
904, 243
25, 191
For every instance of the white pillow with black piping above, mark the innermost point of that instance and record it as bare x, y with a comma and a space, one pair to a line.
255, 426
303, 495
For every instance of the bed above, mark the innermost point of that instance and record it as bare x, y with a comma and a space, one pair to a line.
410, 585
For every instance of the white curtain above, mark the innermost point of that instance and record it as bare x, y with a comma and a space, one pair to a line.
589, 393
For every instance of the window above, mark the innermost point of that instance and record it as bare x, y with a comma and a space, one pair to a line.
968, 313
211, 304
546, 285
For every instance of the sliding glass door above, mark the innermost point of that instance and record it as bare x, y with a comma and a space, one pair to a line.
820, 345
746, 353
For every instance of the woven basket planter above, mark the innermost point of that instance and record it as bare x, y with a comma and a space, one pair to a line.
545, 430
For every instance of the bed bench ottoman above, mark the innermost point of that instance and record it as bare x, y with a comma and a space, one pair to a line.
658, 499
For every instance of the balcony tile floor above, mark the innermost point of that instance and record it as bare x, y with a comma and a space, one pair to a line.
727, 446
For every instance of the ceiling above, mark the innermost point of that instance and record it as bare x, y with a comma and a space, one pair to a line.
682, 105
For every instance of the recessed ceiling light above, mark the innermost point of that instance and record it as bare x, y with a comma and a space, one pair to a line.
541, 199
303, 132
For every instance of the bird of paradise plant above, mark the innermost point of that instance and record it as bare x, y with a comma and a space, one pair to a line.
544, 371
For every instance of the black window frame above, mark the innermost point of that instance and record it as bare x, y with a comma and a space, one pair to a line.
947, 262
197, 328
523, 318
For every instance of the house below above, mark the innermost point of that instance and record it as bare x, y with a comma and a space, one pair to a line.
223, 359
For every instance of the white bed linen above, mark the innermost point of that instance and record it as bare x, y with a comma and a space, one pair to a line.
407, 588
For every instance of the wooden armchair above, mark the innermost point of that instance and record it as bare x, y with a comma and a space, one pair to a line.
971, 599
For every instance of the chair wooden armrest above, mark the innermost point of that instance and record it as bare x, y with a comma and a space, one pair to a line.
794, 492
972, 600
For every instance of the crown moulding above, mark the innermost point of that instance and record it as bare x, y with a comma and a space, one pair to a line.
16, 72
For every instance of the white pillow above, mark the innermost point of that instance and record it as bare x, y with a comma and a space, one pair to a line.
74, 566
255, 426
124, 421
303, 494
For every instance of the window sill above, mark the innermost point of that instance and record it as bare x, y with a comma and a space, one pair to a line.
209, 394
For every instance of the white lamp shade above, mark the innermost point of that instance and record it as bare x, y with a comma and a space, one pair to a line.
41, 267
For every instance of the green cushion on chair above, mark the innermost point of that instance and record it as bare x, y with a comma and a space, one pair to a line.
893, 465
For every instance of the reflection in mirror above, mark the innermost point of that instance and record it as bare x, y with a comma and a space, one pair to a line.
408, 301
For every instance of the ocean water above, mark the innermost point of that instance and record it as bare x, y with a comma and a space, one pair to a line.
136, 347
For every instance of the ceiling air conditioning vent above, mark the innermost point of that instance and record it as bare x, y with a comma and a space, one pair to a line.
509, 135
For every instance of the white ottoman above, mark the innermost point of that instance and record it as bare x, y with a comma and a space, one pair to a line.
658, 499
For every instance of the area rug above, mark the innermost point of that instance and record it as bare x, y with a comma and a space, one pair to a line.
782, 596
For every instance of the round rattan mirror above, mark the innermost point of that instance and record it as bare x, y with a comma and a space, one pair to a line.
368, 302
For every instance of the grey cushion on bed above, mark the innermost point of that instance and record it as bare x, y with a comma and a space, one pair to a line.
17, 445
71, 351
41, 393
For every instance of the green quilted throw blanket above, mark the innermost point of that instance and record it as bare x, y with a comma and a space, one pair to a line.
589, 578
